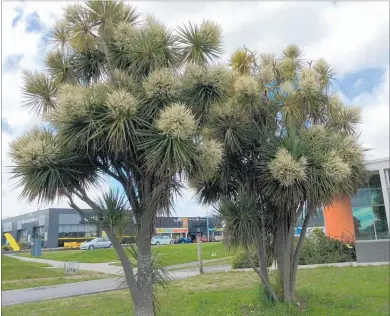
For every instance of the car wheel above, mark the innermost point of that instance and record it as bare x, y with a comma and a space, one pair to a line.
91, 247
110, 246
157, 243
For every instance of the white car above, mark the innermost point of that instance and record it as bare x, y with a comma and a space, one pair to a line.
162, 240
96, 243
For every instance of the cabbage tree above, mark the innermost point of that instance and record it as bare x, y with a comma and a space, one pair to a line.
122, 97
289, 143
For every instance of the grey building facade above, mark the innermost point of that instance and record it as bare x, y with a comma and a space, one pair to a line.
58, 225
51, 225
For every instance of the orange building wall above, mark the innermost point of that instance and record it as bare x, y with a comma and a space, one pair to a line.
339, 221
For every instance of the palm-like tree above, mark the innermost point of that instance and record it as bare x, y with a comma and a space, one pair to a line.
291, 149
115, 103
137, 101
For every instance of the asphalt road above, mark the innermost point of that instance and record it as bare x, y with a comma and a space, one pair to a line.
84, 288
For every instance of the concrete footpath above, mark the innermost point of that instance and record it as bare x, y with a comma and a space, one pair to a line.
84, 288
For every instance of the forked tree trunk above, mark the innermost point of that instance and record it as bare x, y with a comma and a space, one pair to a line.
287, 255
285, 252
141, 287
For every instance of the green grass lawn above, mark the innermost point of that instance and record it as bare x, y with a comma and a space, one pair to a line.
17, 274
361, 291
167, 254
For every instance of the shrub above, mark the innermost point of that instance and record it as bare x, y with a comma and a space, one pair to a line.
22, 244
6, 248
317, 249
241, 261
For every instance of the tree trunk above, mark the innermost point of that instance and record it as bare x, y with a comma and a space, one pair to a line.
263, 266
297, 252
284, 247
126, 264
199, 245
145, 306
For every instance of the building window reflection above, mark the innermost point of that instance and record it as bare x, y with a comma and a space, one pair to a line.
369, 212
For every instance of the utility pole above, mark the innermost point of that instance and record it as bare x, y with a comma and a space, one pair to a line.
199, 242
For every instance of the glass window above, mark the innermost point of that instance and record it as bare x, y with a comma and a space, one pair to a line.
375, 181
368, 211
21, 235
376, 196
361, 199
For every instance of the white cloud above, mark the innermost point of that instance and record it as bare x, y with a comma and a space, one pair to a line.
375, 118
351, 36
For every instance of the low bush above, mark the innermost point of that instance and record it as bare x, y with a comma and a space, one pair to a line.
241, 260
22, 245
5, 248
317, 249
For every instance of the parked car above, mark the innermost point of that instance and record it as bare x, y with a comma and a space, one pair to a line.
96, 243
185, 240
162, 240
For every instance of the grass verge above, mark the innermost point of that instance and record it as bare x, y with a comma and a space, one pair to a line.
167, 254
353, 291
17, 274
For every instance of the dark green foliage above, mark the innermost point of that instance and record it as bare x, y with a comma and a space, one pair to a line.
317, 249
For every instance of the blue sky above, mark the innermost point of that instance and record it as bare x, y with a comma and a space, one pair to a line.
352, 37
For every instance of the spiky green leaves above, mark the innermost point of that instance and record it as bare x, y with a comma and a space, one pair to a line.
176, 121
59, 35
287, 170
46, 169
39, 91
60, 67
325, 73
345, 119
242, 62
144, 49
288, 69
203, 87
200, 44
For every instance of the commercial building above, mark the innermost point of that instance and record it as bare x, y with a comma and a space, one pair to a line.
58, 225
53, 226
365, 217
